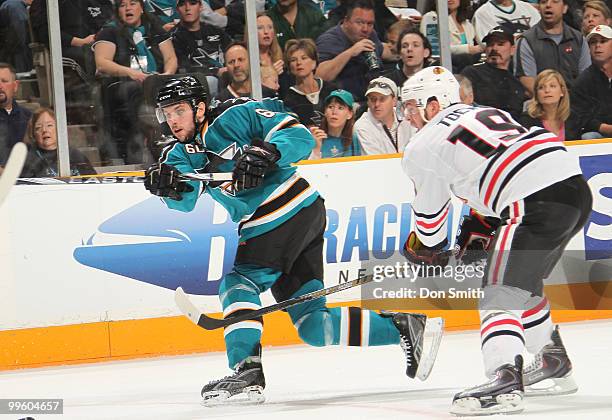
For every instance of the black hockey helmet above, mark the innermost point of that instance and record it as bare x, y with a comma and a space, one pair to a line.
179, 89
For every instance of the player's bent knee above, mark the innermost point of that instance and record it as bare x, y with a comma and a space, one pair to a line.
316, 329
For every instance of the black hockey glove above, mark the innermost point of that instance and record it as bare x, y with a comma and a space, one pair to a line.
474, 237
251, 167
164, 181
419, 254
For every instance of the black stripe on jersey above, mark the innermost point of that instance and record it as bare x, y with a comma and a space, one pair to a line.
537, 321
533, 134
502, 332
289, 123
244, 311
494, 159
431, 216
354, 325
298, 186
520, 166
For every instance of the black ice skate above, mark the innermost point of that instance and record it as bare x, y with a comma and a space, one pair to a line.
419, 339
247, 380
502, 395
551, 371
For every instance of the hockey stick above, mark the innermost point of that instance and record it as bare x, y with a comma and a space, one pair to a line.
12, 169
207, 177
197, 317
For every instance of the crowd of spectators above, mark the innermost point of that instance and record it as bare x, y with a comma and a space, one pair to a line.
339, 65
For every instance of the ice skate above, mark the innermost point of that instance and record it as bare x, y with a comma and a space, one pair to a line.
551, 371
502, 395
419, 339
245, 385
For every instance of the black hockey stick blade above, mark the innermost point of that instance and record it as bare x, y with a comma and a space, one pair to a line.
199, 318
208, 177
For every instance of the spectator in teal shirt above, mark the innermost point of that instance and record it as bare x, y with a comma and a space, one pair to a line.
335, 137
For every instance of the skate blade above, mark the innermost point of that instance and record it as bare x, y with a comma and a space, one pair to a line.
511, 403
552, 386
434, 329
251, 395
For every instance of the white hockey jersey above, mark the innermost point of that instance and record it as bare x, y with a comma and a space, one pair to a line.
485, 158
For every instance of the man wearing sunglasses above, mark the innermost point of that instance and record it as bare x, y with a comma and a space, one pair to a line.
379, 130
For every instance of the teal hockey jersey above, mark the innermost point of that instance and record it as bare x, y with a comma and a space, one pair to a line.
283, 192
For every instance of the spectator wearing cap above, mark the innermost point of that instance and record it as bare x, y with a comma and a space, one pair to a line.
492, 81
595, 12
344, 50
336, 138
415, 54
306, 97
514, 15
592, 93
296, 19
551, 44
379, 130
198, 47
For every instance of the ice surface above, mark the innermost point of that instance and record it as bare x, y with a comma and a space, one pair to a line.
313, 383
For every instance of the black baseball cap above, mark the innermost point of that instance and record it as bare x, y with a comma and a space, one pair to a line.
500, 32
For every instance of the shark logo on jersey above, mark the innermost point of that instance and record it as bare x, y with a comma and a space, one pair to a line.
160, 9
202, 59
516, 26
222, 162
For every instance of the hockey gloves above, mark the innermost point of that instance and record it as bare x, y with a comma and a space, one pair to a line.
474, 237
164, 181
419, 254
256, 160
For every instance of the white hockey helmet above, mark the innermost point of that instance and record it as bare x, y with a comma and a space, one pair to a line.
431, 82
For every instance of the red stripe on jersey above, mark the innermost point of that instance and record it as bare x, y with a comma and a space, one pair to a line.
502, 246
502, 322
535, 309
435, 223
521, 150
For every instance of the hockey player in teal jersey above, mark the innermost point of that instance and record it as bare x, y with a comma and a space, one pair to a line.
281, 224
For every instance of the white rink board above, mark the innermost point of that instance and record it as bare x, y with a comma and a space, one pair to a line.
77, 253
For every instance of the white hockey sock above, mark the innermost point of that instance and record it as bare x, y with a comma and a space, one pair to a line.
538, 325
502, 338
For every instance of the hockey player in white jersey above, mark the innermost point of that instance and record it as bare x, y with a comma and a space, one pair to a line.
528, 180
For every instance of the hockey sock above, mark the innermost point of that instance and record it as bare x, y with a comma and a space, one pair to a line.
239, 294
318, 325
502, 338
537, 324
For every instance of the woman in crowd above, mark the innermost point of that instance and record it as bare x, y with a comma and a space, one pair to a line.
595, 12
41, 161
128, 50
270, 53
464, 48
305, 98
550, 108
335, 137
415, 53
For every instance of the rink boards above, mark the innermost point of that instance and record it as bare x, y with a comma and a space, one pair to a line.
88, 267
